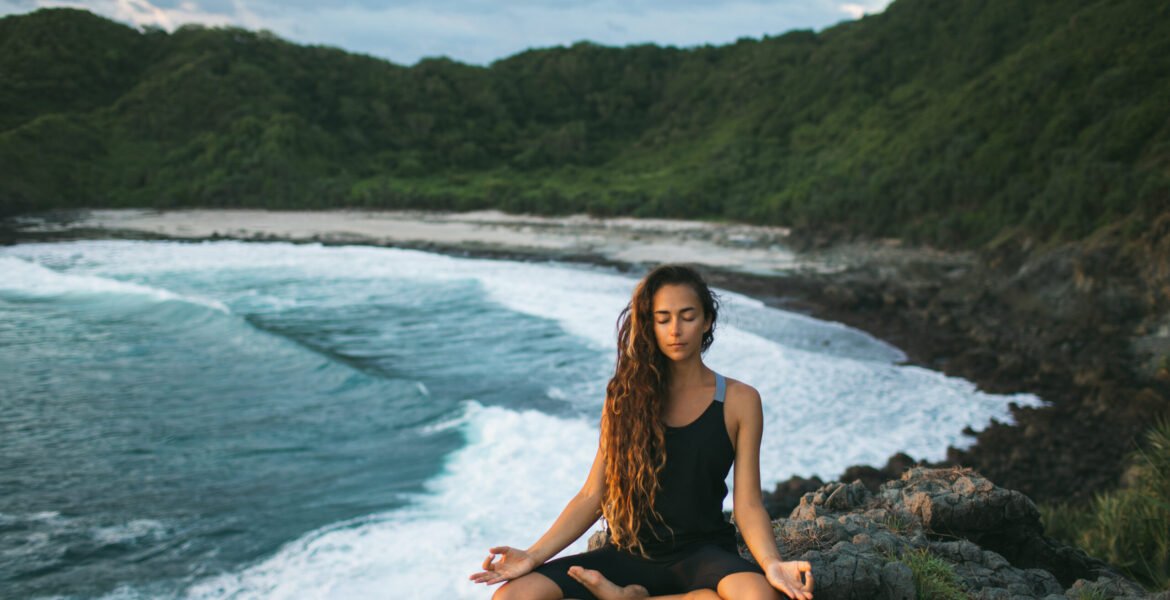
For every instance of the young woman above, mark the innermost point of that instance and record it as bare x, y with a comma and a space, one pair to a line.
670, 430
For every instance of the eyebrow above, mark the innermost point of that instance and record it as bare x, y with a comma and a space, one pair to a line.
667, 312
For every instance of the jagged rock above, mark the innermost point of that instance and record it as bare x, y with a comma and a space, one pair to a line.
856, 540
962, 503
833, 497
1112, 588
987, 572
786, 496
897, 582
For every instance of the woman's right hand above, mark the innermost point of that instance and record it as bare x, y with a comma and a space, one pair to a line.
513, 563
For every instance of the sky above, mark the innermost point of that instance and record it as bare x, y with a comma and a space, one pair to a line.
480, 31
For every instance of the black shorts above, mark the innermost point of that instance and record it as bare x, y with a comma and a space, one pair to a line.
695, 567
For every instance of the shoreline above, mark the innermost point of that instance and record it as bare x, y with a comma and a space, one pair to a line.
740, 248
625, 244
609, 242
947, 311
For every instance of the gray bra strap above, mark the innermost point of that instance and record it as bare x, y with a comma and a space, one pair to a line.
720, 387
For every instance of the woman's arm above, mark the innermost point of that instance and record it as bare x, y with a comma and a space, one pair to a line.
750, 515
578, 515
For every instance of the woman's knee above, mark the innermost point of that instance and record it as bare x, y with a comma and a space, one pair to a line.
747, 586
532, 585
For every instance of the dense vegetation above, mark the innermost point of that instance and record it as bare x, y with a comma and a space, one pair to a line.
941, 121
1129, 527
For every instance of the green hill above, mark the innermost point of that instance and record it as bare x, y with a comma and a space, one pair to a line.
941, 121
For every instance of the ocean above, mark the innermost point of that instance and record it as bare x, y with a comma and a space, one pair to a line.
274, 420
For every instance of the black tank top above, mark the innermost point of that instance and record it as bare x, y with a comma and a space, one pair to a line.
692, 484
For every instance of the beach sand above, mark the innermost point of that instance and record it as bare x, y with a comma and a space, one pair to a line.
748, 249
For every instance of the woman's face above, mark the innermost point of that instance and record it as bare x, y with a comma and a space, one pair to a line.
679, 321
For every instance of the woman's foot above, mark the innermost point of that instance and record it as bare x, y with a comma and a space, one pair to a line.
605, 589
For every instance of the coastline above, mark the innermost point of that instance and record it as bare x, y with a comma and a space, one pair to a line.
955, 312
739, 248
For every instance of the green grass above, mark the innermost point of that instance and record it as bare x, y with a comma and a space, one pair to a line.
933, 577
898, 522
1130, 527
1091, 594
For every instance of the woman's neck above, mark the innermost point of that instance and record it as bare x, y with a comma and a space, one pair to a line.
692, 373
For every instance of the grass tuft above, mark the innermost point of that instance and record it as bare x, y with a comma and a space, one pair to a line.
934, 577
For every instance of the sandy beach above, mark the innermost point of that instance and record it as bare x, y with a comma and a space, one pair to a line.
748, 249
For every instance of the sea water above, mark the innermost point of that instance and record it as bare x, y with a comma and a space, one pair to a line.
271, 420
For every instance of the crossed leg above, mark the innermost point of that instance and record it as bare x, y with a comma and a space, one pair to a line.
746, 586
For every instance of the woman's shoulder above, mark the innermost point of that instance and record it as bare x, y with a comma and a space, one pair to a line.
739, 394
743, 407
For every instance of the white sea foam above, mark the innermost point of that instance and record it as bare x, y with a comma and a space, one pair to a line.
30, 280
129, 531
833, 396
506, 486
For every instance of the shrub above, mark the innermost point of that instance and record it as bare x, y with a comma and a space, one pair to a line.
1130, 527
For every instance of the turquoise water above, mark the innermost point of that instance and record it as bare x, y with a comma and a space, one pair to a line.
291, 421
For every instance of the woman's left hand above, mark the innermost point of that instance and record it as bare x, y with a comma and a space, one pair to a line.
786, 577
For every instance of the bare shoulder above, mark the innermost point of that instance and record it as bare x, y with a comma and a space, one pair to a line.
741, 398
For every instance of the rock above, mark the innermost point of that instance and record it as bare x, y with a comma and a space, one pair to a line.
786, 496
1111, 588
962, 503
989, 536
897, 582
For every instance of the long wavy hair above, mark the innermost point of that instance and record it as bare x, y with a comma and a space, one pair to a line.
633, 434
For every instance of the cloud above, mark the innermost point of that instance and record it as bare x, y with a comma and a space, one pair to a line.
857, 11
141, 12
480, 31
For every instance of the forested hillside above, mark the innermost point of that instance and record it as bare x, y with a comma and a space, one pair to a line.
941, 121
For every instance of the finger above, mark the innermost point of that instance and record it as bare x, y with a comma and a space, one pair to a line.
500, 549
808, 580
487, 562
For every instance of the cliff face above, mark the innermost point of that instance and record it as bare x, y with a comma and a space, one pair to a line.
935, 533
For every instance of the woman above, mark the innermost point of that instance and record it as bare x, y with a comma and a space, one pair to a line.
670, 430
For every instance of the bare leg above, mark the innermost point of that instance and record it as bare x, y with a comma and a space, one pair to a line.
532, 586
749, 585
605, 589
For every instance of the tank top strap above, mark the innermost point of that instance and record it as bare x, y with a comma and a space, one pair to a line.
720, 387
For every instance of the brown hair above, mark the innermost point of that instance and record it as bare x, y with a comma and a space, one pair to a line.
632, 431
